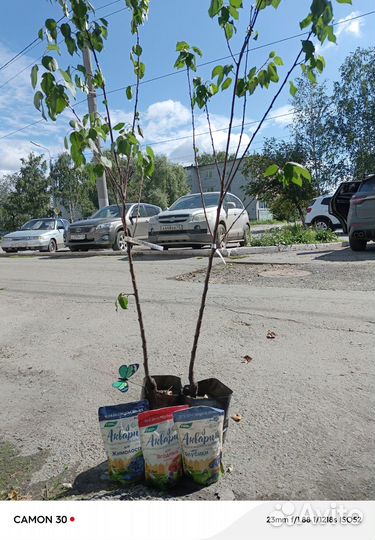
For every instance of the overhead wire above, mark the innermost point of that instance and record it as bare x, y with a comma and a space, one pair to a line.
175, 72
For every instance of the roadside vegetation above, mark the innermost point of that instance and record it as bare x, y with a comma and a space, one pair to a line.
293, 234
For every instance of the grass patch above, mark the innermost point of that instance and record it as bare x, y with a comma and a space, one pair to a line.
293, 234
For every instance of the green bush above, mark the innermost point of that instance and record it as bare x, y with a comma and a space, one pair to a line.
293, 234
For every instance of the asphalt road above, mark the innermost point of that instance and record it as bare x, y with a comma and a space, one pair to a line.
306, 398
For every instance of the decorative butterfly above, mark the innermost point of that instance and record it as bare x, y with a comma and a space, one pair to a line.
125, 373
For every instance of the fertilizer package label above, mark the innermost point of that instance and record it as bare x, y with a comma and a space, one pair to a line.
200, 432
120, 432
160, 446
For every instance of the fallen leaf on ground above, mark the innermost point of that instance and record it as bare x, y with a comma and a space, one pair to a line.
236, 417
230, 468
270, 335
13, 495
246, 359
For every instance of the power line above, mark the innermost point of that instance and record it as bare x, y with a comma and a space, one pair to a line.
40, 57
176, 72
37, 42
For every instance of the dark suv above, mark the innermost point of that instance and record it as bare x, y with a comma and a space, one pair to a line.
105, 230
354, 205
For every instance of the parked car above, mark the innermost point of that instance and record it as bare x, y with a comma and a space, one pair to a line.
354, 205
318, 216
184, 223
105, 230
43, 234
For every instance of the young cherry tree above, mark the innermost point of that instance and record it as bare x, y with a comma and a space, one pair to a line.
242, 81
56, 93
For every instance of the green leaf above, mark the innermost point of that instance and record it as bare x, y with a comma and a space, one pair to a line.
38, 97
292, 88
306, 22
182, 46
218, 70
236, 3
215, 7
41, 34
150, 152
129, 92
65, 30
271, 170
49, 63
66, 143
278, 61
137, 50
344, 1
34, 76
119, 126
308, 48
197, 51
122, 301
229, 30
226, 84
53, 47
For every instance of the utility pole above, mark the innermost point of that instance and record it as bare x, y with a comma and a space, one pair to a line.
101, 184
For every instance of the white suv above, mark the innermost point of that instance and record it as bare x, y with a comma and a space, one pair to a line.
318, 215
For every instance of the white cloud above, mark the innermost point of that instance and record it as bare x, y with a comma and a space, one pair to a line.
284, 114
345, 27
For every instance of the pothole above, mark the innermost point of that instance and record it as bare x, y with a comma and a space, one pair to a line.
286, 272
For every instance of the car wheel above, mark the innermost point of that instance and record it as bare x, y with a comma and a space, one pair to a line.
357, 244
120, 242
52, 247
221, 240
322, 223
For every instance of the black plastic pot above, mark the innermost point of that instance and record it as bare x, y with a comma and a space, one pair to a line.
219, 396
159, 398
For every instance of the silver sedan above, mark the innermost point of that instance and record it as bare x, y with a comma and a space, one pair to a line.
186, 223
43, 234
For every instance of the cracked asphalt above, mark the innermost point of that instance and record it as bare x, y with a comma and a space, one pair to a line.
306, 397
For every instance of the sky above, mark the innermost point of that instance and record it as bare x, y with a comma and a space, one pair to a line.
164, 102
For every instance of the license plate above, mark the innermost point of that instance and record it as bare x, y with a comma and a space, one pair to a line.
172, 228
77, 236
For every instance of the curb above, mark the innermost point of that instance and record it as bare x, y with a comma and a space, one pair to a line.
180, 253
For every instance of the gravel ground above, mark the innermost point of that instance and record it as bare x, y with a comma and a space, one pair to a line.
305, 396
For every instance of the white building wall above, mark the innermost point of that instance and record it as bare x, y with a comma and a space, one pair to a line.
211, 182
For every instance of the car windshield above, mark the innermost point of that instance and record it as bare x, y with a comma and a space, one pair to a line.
113, 211
195, 201
39, 225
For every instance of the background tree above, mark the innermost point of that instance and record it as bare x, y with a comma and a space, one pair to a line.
29, 193
353, 123
311, 127
285, 201
74, 188
207, 159
167, 183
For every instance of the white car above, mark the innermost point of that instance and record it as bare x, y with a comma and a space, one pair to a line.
318, 215
44, 234
184, 223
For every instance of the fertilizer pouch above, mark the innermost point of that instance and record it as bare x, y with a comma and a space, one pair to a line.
119, 428
160, 446
200, 432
